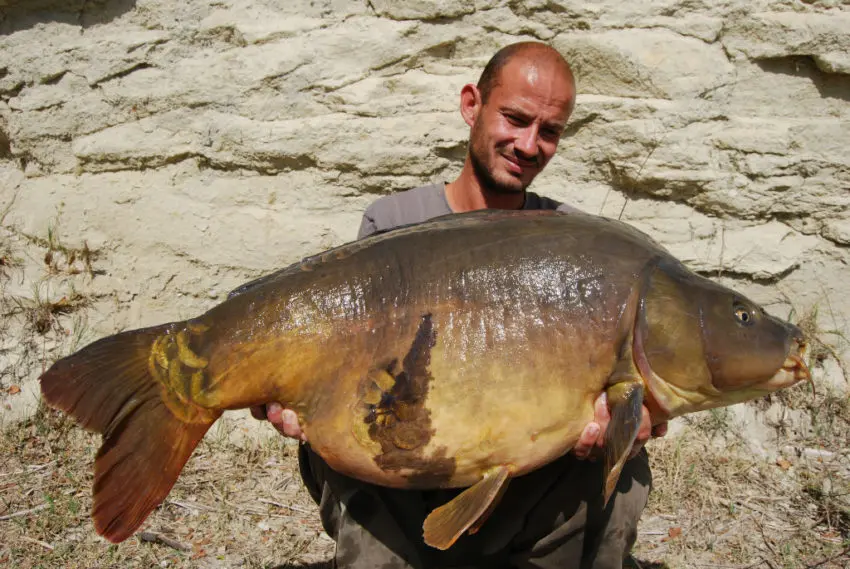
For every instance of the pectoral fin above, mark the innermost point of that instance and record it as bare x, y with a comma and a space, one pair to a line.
468, 511
625, 401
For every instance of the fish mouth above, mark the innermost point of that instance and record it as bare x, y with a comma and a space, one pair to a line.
793, 371
795, 365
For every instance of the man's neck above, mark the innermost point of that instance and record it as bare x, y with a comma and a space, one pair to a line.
467, 193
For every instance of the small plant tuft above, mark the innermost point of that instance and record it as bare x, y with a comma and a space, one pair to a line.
41, 313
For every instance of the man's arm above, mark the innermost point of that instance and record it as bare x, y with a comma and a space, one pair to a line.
566, 208
367, 225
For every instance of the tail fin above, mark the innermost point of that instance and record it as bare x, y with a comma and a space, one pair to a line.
113, 387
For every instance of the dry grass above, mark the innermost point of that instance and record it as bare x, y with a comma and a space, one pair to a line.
232, 506
7, 260
823, 341
46, 310
715, 504
60, 258
41, 311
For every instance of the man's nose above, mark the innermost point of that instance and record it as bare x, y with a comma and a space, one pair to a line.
526, 143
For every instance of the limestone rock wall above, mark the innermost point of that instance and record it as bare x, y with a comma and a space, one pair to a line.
156, 154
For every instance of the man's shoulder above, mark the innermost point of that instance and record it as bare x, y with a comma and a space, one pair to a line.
413, 197
403, 208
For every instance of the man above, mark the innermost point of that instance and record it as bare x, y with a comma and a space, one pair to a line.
552, 517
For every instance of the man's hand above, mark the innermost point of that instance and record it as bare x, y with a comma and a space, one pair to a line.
284, 420
593, 436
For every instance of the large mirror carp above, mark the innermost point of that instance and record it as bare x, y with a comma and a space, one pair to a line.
460, 352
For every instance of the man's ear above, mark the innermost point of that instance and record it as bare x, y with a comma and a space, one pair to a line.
470, 103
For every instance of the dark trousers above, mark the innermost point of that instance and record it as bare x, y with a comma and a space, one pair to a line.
551, 518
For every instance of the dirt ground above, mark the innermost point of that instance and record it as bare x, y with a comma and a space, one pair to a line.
719, 500
241, 503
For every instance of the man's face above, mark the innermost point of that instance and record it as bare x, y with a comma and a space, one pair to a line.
516, 132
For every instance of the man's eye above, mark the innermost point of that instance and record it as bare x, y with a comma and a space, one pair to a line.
514, 120
550, 134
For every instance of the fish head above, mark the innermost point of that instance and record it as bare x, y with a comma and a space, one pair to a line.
701, 345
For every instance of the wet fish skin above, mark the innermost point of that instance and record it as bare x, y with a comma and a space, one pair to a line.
458, 352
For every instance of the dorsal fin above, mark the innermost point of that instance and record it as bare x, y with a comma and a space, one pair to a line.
440, 223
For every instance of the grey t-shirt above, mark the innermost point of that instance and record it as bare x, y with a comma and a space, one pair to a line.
426, 202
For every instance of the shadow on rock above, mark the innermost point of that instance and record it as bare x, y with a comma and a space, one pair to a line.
17, 15
829, 85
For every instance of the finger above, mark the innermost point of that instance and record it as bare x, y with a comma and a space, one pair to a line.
274, 413
259, 412
601, 416
291, 427
587, 441
592, 435
660, 429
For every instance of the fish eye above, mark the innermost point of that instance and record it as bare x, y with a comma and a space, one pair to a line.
744, 315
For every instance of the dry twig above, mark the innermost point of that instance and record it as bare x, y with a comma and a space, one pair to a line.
44, 544
279, 505
152, 537
22, 513
844, 553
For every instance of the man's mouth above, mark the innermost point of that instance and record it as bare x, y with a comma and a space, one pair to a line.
518, 166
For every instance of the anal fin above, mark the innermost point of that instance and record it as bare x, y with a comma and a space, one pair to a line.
468, 511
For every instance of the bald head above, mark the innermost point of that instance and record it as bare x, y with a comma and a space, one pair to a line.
517, 113
539, 56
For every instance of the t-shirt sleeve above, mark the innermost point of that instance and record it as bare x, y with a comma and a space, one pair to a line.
568, 209
367, 224
413, 206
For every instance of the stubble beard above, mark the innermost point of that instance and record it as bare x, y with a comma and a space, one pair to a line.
489, 184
